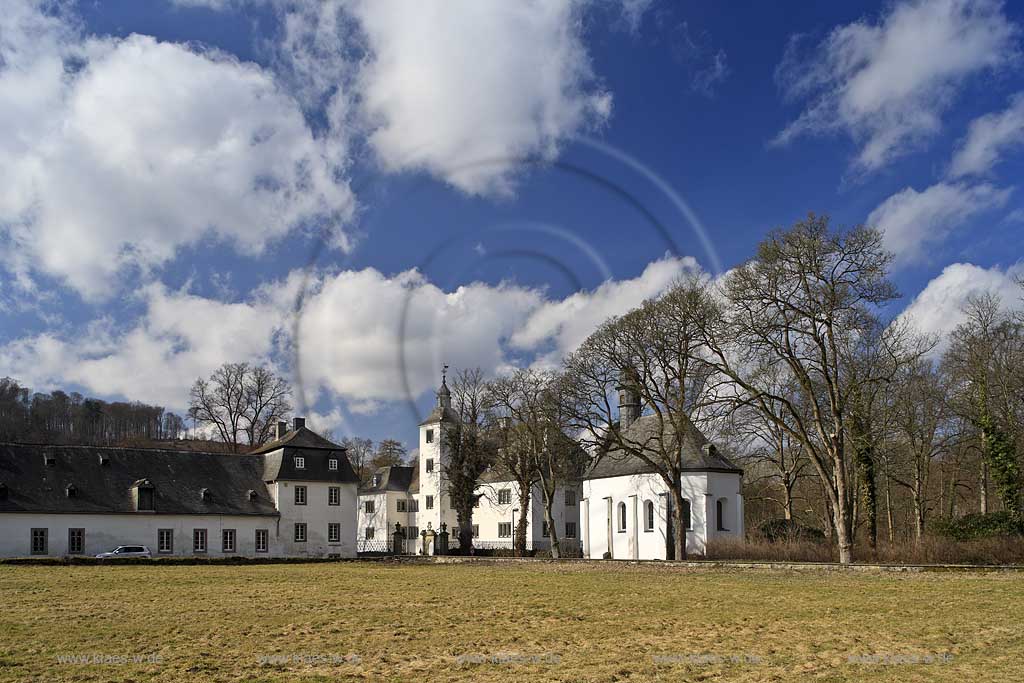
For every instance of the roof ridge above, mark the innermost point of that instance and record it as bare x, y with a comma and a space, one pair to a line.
178, 451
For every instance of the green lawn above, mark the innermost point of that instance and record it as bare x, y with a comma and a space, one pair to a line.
538, 622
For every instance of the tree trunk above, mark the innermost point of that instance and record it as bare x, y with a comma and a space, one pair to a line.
983, 488
465, 519
888, 509
678, 521
787, 501
524, 518
549, 500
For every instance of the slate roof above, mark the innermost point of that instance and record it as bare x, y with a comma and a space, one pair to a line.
178, 477
279, 459
441, 414
696, 452
393, 478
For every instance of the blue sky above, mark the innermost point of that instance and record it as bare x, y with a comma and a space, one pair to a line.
471, 184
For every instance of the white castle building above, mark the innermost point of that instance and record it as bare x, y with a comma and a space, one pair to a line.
416, 497
298, 497
294, 497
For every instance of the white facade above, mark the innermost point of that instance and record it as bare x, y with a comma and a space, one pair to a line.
428, 506
627, 517
295, 500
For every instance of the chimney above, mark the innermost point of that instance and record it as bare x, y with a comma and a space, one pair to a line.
281, 429
298, 423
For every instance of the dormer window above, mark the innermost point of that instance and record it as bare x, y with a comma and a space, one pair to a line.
251, 494
204, 494
104, 460
70, 491
145, 496
300, 463
49, 460
332, 464
376, 481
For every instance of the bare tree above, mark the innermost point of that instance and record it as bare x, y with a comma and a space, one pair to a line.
238, 400
472, 445
360, 452
653, 357
923, 431
540, 449
807, 291
514, 456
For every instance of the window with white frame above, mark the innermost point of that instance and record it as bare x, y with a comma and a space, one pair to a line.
165, 541
262, 540
687, 522
334, 495
570, 498
369, 533
476, 530
300, 532
570, 529
430, 436
622, 517
504, 496
412, 533
369, 507
199, 540
504, 529
430, 464
76, 541
414, 505
40, 541
720, 510
430, 502
400, 505
227, 541
300, 463
332, 464
648, 515
300, 495
333, 532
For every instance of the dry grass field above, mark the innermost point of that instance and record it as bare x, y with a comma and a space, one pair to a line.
493, 622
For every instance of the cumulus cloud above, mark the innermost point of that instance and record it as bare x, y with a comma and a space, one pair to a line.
937, 310
566, 323
363, 337
913, 221
118, 152
988, 137
466, 90
887, 83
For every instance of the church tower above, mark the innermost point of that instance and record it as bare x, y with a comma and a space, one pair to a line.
434, 506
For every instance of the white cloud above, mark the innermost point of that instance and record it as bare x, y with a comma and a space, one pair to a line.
568, 322
466, 90
937, 310
912, 221
351, 341
117, 153
887, 83
987, 138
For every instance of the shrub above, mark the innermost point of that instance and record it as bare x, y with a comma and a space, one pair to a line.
775, 530
978, 525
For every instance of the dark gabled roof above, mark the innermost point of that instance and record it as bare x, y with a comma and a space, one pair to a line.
392, 478
279, 459
441, 414
696, 452
303, 437
177, 477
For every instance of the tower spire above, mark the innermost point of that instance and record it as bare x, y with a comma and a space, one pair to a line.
444, 395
